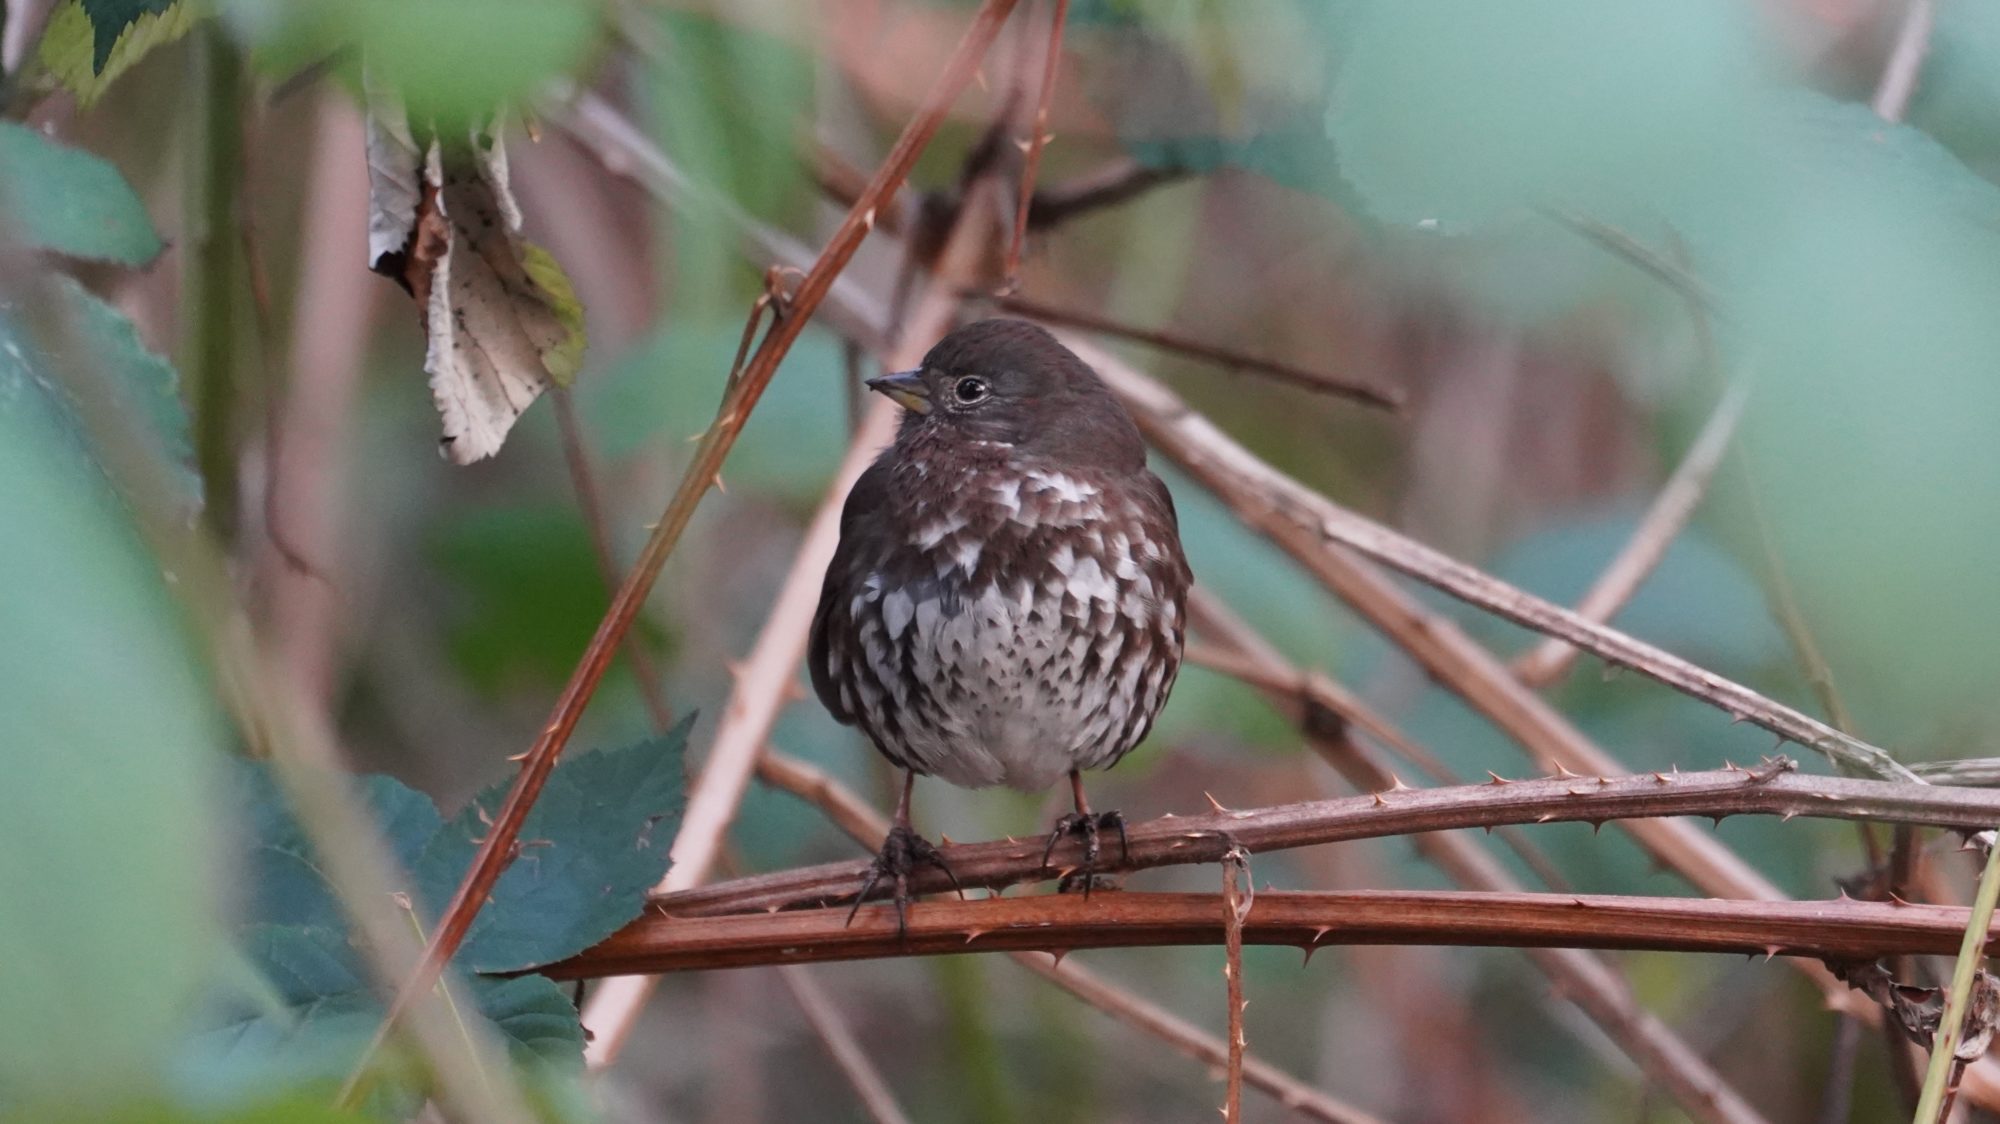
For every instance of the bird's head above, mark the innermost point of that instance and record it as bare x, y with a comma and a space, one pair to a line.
1011, 383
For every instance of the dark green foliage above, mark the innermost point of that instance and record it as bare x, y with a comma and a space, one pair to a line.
110, 18
595, 842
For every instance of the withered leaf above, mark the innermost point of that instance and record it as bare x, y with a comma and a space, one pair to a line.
500, 319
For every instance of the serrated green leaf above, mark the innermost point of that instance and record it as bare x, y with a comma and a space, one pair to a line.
68, 48
105, 817
71, 202
148, 389
110, 18
564, 361
325, 1015
595, 842
536, 1020
285, 883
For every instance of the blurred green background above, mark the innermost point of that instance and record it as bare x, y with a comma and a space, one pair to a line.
1557, 227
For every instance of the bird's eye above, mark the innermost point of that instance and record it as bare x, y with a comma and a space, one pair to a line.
971, 389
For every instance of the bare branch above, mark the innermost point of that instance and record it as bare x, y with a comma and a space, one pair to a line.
1317, 381
1032, 160
1671, 510
1842, 929
847, 1055
1284, 508
1206, 838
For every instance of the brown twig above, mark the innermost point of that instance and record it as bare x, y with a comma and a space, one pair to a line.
1329, 717
1284, 508
497, 848
765, 683
1842, 929
590, 501
840, 1043
1196, 1043
1118, 181
1204, 838
865, 825
1236, 906
1316, 696
819, 1012
1549, 660
1317, 381
1032, 159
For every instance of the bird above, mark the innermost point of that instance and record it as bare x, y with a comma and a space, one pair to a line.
1007, 604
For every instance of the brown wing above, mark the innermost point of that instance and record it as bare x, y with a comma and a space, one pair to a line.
837, 591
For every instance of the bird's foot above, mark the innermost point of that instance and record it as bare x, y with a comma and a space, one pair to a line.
901, 853
1088, 826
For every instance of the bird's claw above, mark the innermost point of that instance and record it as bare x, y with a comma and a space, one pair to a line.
901, 852
1088, 826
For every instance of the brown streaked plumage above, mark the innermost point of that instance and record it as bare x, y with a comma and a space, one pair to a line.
1007, 603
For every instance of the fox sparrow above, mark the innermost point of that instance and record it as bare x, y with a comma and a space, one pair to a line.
1006, 605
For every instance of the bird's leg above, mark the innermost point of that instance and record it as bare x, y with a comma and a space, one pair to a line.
901, 851
1087, 826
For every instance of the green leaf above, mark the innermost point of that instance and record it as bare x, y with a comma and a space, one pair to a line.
106, 820
110, 18
69, 46
536, 1020
308, 1032
566, 360
68, 201
148, 388
595, 842
286, 886
321, 1015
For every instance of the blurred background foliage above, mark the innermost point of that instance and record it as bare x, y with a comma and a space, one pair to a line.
1505, 211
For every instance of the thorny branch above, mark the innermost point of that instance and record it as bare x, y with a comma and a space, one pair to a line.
865, 825
1767, 789
1333, 723
1842, 929
1219, 461
1547, 661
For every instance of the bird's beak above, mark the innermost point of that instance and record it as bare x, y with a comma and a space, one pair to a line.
908, 388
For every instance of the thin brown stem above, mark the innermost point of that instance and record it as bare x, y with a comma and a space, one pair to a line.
1286, 510
1840, 929
1549, 660
842, 1047
1196, 1043
1032, 161
1236, 906
864, 825
1172, 840
1118, 181
1227, 358
1330, 717
590, 501
496, 849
